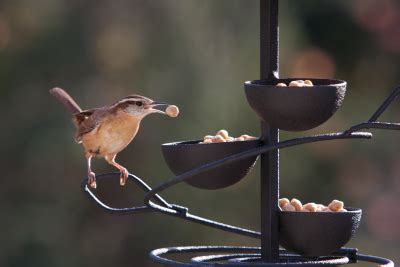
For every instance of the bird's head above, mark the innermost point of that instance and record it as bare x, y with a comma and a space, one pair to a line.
139, 106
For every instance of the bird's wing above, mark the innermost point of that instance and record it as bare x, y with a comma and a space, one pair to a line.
86, 122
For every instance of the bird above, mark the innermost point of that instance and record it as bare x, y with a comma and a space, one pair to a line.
106, 131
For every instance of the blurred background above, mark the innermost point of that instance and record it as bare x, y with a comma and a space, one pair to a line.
195, 54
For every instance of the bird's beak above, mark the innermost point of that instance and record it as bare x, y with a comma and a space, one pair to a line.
156, 104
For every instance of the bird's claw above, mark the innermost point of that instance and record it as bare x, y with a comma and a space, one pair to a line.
92, 180
123, 177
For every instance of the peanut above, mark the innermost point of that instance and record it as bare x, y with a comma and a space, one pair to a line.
283, 201
223, 133
296, 84
248, 137
172, 111
297, 204
207, 141
218, 139
312, 207
281, 85
308, 82
288, 207
335, 205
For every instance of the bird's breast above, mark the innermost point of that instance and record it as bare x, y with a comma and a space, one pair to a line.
113, 134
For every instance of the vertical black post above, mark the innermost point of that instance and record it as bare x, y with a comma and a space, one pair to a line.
269, 44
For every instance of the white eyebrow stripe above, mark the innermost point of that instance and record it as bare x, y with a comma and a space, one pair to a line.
137, 97
131, 99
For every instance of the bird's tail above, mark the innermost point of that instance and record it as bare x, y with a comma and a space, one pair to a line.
66, 99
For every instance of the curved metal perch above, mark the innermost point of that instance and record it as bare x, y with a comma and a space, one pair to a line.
130, 210
163, 207
235, 255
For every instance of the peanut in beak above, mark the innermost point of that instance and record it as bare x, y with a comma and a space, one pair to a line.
155, 104
171, 110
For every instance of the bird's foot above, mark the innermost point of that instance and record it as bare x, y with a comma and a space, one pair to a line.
92, 180
123, 177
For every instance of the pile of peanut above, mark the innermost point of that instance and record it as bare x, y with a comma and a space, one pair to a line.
296, 205
222, 136
297, 83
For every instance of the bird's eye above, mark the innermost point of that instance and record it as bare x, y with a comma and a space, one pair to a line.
139, 104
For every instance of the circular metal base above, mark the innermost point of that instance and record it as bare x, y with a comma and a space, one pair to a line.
251, 256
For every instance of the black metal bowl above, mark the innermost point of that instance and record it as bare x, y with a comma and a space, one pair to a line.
317, 233
185, 156
295, 108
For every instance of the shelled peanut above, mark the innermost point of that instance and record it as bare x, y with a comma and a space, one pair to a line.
297, 83
222, 136
172, 111
296, 205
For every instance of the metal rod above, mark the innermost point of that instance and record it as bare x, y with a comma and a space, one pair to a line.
269, 196
269, 69
163, 206
246, 256
378, 260
394, 94
269, 40
236, 256
374, 125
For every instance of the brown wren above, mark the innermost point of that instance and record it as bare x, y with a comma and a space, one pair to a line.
106, 131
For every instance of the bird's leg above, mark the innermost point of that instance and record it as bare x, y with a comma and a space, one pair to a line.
124, 172
91, 175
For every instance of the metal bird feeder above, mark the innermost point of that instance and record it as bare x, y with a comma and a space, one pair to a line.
215, 166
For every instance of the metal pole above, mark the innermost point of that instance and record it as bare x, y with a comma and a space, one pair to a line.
269, 41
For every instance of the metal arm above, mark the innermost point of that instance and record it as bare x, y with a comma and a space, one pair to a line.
395, 93
372, 123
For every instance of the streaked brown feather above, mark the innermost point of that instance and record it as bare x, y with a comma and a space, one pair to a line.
86, 121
